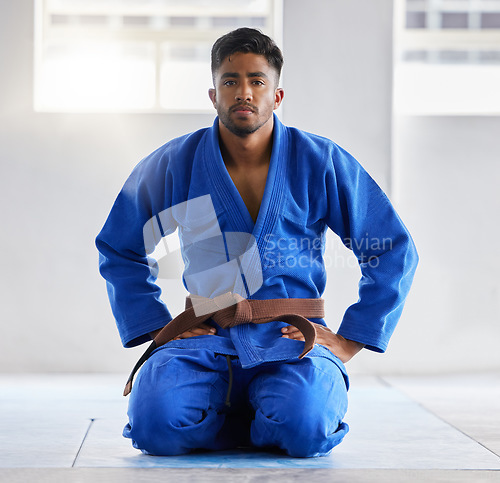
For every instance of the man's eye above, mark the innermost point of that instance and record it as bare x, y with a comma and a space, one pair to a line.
229, 83
258, 82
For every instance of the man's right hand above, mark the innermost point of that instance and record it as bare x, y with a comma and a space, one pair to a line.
202, 329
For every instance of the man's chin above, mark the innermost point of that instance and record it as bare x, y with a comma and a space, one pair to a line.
240, 130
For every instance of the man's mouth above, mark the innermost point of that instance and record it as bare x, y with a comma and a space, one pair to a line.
242, 109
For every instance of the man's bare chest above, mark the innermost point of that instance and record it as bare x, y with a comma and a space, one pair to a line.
250, 185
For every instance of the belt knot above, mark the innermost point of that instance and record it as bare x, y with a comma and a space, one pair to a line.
229, 310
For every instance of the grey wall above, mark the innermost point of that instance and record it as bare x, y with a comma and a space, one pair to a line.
338, 83
59, 175
338, 75
448, 191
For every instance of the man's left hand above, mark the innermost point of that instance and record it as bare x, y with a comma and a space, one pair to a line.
344, 349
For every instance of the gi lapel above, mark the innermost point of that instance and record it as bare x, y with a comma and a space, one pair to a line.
230, 198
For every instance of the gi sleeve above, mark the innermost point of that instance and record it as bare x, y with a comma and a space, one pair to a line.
123, 261
363, 217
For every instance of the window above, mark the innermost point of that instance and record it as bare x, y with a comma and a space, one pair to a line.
447, 57
135, 55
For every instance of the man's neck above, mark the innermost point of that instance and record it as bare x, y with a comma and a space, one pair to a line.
248, 152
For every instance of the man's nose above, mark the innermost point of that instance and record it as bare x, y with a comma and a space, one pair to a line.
244, 93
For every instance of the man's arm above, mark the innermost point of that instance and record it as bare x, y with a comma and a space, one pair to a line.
123, 256
360, 213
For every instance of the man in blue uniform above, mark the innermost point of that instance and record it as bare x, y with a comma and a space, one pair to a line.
251, 360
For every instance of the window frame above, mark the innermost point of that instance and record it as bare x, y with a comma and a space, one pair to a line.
43, 34
433, 40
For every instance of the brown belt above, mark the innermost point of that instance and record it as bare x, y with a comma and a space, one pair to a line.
229, 310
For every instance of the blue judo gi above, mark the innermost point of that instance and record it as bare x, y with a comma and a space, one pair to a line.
179, 401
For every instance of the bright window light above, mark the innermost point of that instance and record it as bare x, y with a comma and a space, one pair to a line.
184, 69
447, 59
135, 55
95, 76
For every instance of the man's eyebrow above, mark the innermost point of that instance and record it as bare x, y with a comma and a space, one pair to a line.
256, 74
250, 74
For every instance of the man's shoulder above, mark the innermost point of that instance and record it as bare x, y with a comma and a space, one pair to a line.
173, 156
308, 140
174, 148
311, 147
320, 152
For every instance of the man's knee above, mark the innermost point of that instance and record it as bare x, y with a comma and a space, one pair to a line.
303, 419
172, 430
300, 431
173, 407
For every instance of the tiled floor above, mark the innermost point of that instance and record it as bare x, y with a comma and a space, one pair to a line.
68, 428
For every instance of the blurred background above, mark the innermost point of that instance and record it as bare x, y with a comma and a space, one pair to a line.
89, 87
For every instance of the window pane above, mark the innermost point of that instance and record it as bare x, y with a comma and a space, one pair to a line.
115, 55
455, 20
183, 21
59, 19
452, 65
136, 21
490, 20
219, 22
416, 4
185, 76
416, 20
415, 56
93, 19
489, 57
453, 56
97, 76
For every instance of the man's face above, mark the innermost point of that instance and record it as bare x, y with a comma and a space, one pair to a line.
245, 93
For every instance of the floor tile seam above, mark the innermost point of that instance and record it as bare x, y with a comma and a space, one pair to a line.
91, 422
85, 469
225, 466
430, 411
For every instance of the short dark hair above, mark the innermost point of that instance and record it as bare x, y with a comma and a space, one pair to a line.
246, 40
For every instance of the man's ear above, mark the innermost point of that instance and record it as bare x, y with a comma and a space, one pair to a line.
278, 97
211, 94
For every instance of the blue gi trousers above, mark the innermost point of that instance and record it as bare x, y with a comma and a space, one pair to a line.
178, 404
